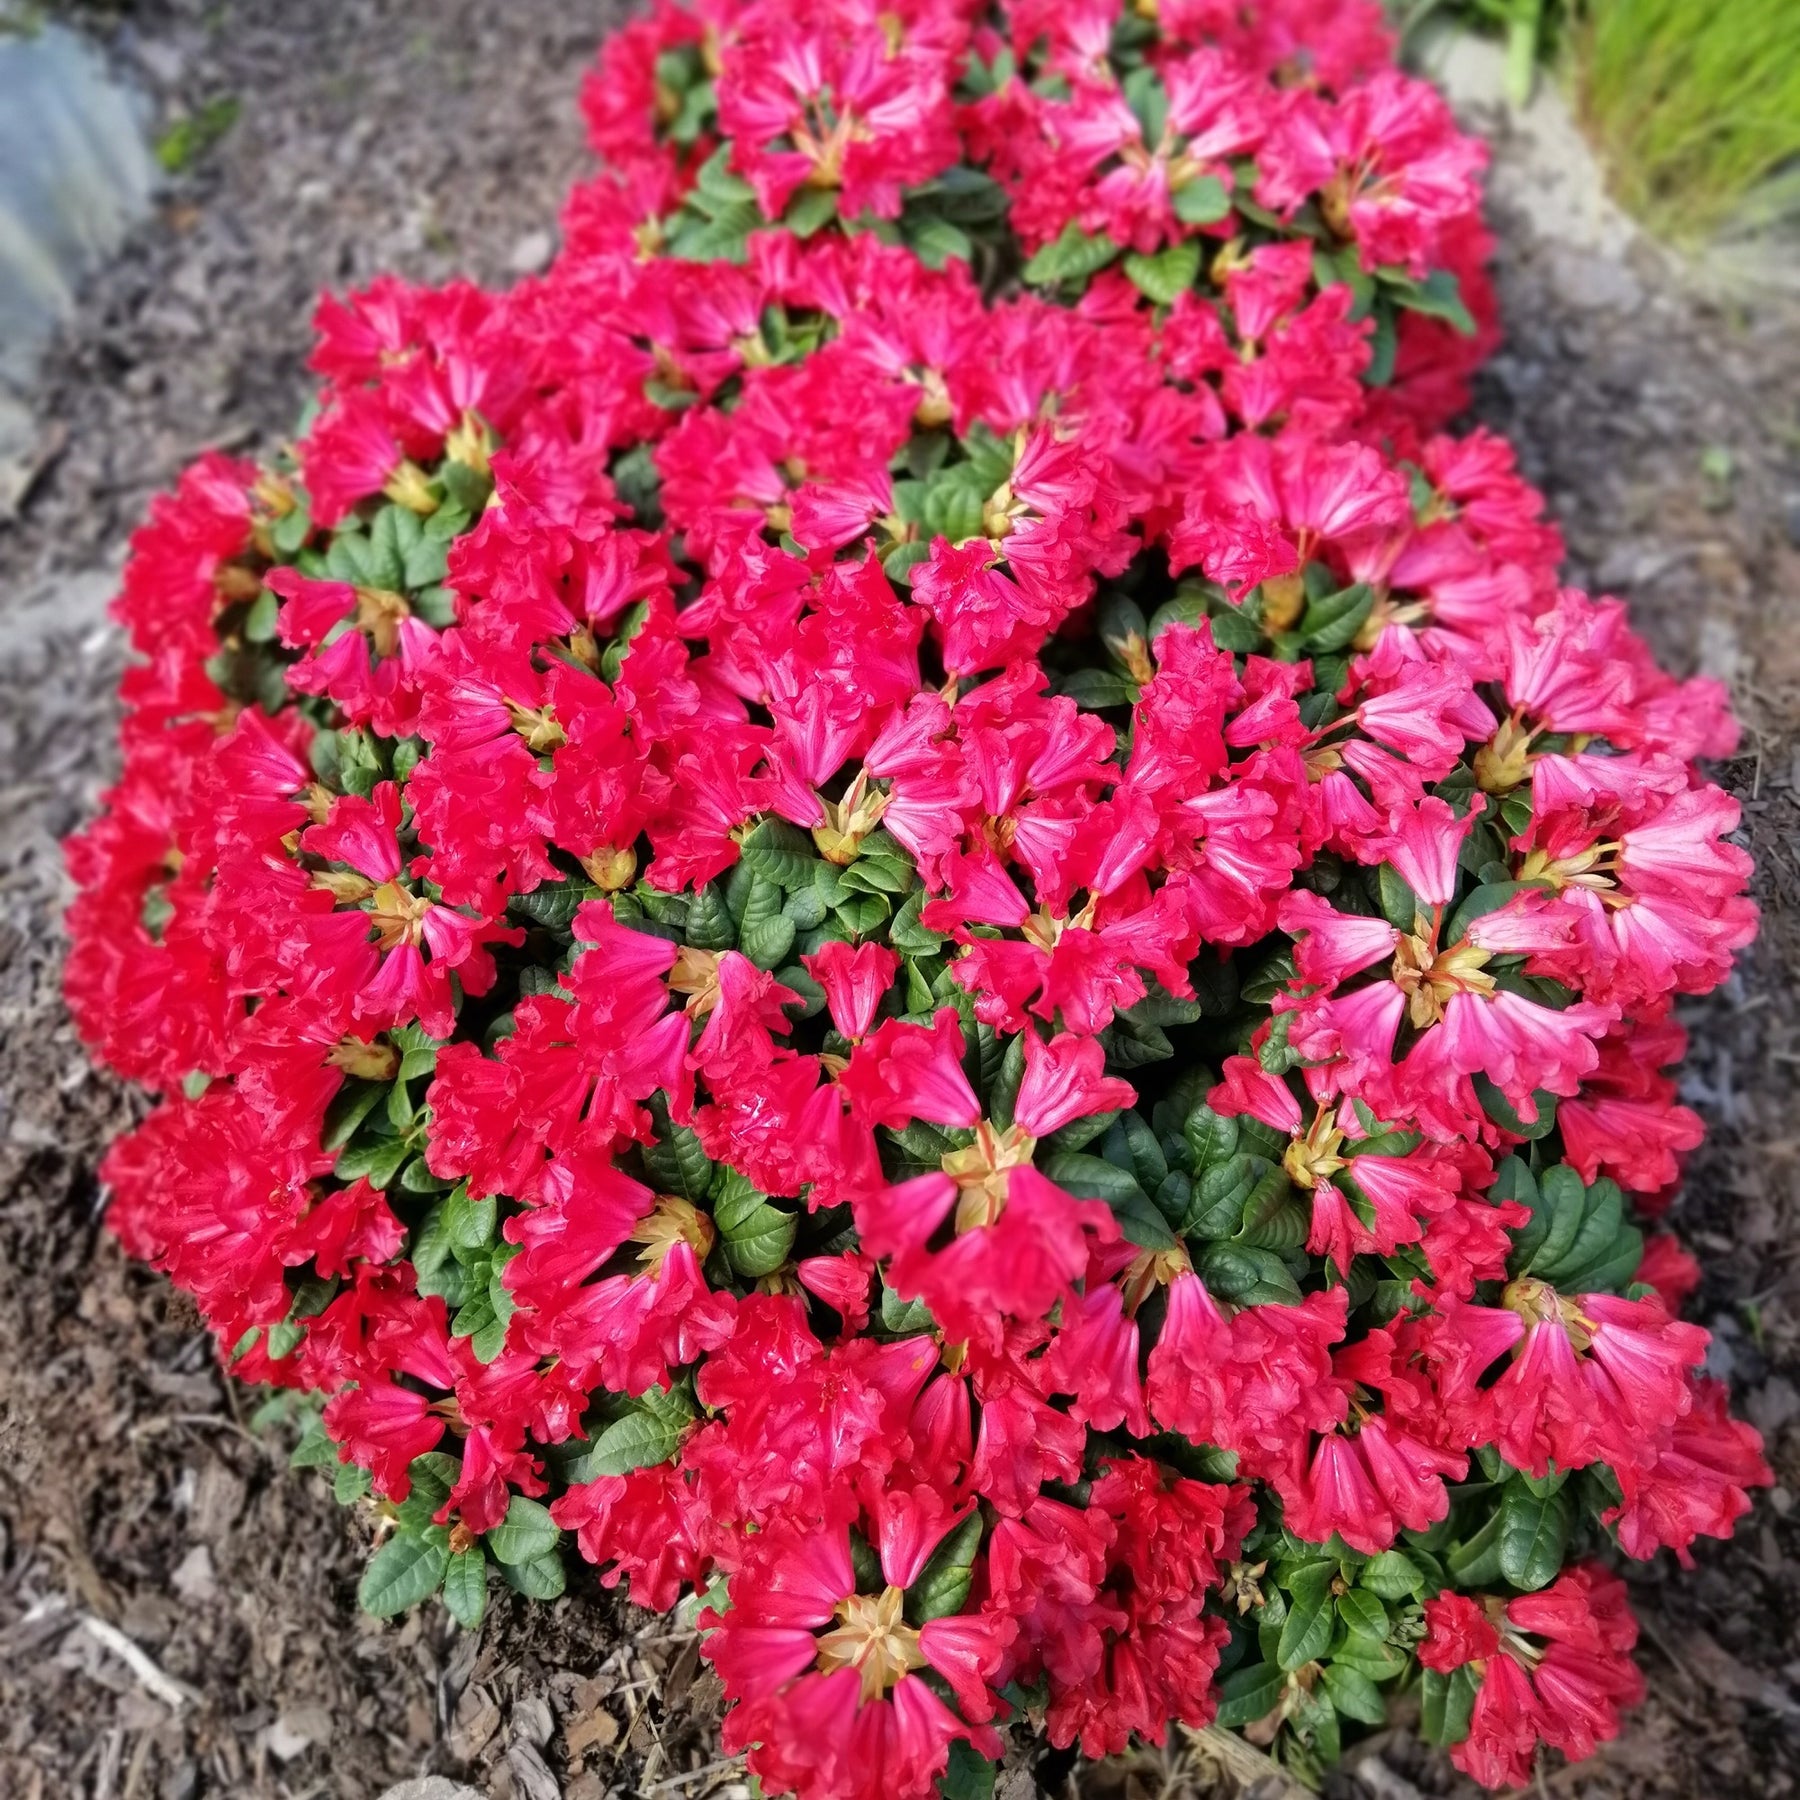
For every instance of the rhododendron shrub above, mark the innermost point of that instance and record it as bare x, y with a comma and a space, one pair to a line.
900, 906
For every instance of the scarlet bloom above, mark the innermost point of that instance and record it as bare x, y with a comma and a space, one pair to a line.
831, 1702
923, 904
1553, 1665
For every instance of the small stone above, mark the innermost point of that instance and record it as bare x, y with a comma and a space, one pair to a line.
532, 1774
1773, 1405
193, 1578
284, 1742
430, 1787
1790, 514
532, 1721
531, 254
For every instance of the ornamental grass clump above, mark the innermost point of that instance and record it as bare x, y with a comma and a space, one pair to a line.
901, 904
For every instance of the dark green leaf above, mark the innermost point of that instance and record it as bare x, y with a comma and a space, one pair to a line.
404, 1571
465, 1588
1167, 274
782, 853
525, 1533
1074, 256
1355, 1695
1246, 1695
1534, 1536
1307, 1632
1201, 201
1212, 1136
1364, 1613
542, 1578
644, 1438
1393, 1575
943, 1584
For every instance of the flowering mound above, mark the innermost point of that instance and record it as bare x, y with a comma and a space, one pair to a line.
900, 900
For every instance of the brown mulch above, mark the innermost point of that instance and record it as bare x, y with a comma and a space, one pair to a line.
177, 1612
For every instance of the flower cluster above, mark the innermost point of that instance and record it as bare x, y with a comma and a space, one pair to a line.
903, 900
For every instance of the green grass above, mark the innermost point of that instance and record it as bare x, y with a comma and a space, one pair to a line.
192, 135
1695, 106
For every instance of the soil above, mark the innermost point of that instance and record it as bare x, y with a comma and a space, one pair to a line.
177, 1612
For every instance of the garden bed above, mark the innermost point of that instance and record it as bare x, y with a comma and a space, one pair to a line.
133, 1498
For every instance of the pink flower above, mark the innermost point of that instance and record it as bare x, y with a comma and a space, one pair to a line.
1064, 1081
904, 1072
854, 980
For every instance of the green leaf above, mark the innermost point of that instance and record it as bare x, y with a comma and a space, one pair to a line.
810, 210
1355, 1695
1166, 275
767, 941
781, 853
315, 1450
1438, 296
709, 922
1384, 346
1565, 1198
1370, 1657
1534, 1536
1446, 1702
1149, 102
553, 903
936, 241
1212, 1136
862, 913
716, 180
469, 1224
646, 1437
678, 1165
260, 622
968, 1775
1248, 1277
404, 1571
1392, 1574
1501, 1110
1364, 1613
350, 1484
1475, 1562
761, 1243
1488, 898
1246, 1695
290, 532
1217, 1208
384, 561
903, 1318
1074, 256
1332, 621
1093, 1178
1307, 1631
1399, 904
377, 1161
908, 936
1202, 201
943, 1584
1145, 1154
542, 1578
353, 1103
465, 1588
525, 1533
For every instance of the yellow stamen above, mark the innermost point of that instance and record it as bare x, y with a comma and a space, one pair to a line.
849, 820
696, 974
1314, 1158
874, 1639
409, 486
981, 1171
672, 1221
